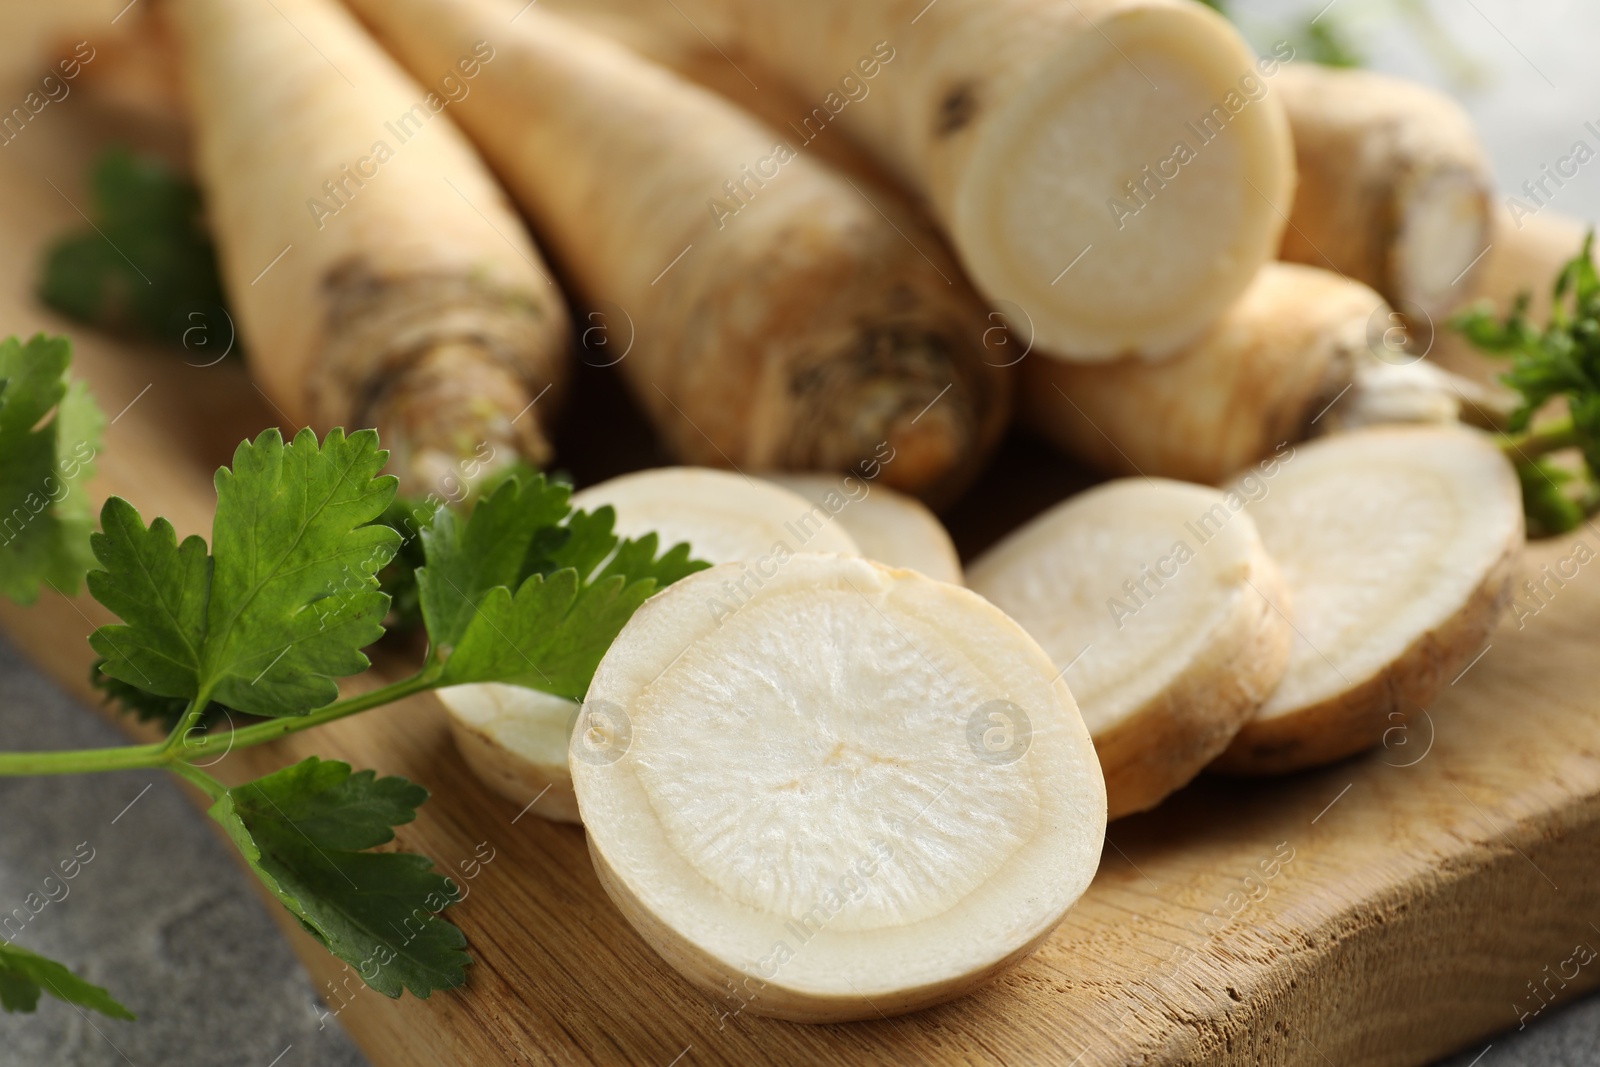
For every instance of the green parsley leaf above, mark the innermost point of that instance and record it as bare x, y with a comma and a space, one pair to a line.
304, 832
1545, 500
408, 517
288, 597
1560, 360
1323, 41
148, 265
25, 975
569, 601
49, 435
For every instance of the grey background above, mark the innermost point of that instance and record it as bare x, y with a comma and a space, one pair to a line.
162, 915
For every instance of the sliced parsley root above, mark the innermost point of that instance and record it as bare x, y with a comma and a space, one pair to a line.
1560, 360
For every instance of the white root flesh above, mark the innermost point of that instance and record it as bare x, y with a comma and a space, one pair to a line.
725, 517
1398, 547
1395, 188
1038, 132
858, 793
1165, 615
887, 526
515, 741
514, 738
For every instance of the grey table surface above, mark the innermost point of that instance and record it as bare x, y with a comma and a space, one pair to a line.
163, 916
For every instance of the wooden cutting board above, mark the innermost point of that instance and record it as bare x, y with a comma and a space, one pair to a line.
1387, 910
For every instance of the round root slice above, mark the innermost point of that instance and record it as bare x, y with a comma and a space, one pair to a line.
515, 741
887, 526
724, 516
1156, 601
1398, 546
857, 791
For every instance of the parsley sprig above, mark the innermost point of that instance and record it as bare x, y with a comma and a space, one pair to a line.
272, 612
146, 268
1559, 361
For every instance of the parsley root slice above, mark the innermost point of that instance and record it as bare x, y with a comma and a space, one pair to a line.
725, 517
515, 741
848, 791
1398, 546
1156, 600
887, 526
1040, 132
379, 276
1257, 379
1395, 188
772, 316
514, 738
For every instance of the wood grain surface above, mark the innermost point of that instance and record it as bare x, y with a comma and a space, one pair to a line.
1386, 910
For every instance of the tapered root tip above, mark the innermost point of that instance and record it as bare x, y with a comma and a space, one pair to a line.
453, 416
904, 411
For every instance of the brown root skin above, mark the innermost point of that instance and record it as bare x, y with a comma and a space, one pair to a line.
1162, 747
1361, 717
1375, 155
861, 363
451, 416
780, 319
1253, 383
448, 369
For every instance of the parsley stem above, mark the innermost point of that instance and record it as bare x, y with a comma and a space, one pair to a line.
1551, 436
196, 777
172, 753
185, 726
81, 761
273, 729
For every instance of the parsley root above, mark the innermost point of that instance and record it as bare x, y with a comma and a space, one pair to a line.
1156, 601
782, 319
1397, 545
1395, 188
1139, 135
377, 272
880, 773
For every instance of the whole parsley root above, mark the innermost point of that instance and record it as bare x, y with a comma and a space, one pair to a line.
378, 276
1293, 358
1072, 187
1395, 187
802, 324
